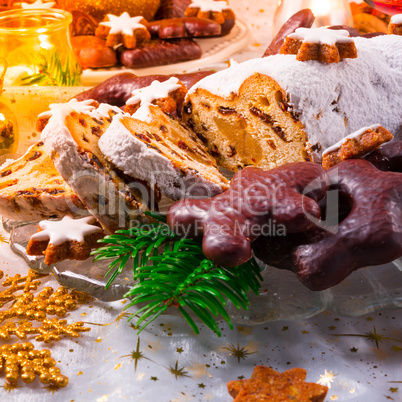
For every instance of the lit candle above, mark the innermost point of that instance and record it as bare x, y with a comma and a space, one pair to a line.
327, 12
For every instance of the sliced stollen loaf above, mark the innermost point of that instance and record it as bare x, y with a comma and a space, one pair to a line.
270, 111
153, 146
71, 137
31, 189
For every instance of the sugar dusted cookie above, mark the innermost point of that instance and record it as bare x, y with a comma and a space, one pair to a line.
123, 29
218, 11
167, 95
65, 239
322, 44
395, 25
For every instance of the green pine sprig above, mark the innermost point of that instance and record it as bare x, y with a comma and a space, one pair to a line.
52, 71
173, 272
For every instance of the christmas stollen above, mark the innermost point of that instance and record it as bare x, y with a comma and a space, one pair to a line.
274, 110
71, 137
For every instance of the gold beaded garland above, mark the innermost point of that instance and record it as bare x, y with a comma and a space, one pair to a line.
22, 360
99, 8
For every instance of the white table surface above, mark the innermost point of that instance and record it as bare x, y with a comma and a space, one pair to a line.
100, 368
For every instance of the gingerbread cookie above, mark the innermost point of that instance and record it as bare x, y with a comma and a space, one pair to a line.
168, 95
322, 44
69, 238
188, 27
267, 384
395, 25
256, 202
218, 11
123, 29
369, 231
158, 52
356, 145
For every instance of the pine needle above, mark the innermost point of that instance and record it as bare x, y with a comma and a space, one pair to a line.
172, 272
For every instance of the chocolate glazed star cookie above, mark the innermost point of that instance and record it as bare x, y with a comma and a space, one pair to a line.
256, 201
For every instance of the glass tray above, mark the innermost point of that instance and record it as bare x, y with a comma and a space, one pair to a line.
282, 296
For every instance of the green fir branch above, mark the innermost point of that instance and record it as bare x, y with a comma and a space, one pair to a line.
173, 272
51, 71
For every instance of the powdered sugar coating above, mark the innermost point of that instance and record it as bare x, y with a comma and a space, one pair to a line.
157, 90
356, 134
124, 24
335, 99
62, 110
135, 159
209, 5
68, 229
321, 35
396, 19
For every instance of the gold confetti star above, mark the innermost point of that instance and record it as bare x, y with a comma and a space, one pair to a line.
332, 327
179, 350
240, 377
372, 336
178, 372
305, 332
9, 387
396, 348
285, 328
237, 352
201, 385
353, 350
369, 318
136, 355
393, 390
154, 378
52, 388
327, 378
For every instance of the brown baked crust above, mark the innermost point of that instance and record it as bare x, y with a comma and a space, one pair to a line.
354, 148
255, 127
69, 250
395, 29
324, 53
32, 189
159, 52
267, 384
92, 52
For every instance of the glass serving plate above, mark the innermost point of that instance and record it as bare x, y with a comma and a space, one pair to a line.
282, 296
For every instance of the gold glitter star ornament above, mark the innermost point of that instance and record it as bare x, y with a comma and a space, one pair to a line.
99, 8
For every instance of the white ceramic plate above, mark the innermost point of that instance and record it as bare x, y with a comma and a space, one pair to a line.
213, 50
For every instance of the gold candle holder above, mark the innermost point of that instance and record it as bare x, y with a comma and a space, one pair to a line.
36, 45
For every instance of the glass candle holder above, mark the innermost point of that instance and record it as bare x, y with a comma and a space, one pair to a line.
327, 12
36, 45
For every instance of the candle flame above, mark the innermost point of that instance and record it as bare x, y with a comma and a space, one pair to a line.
321, 8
